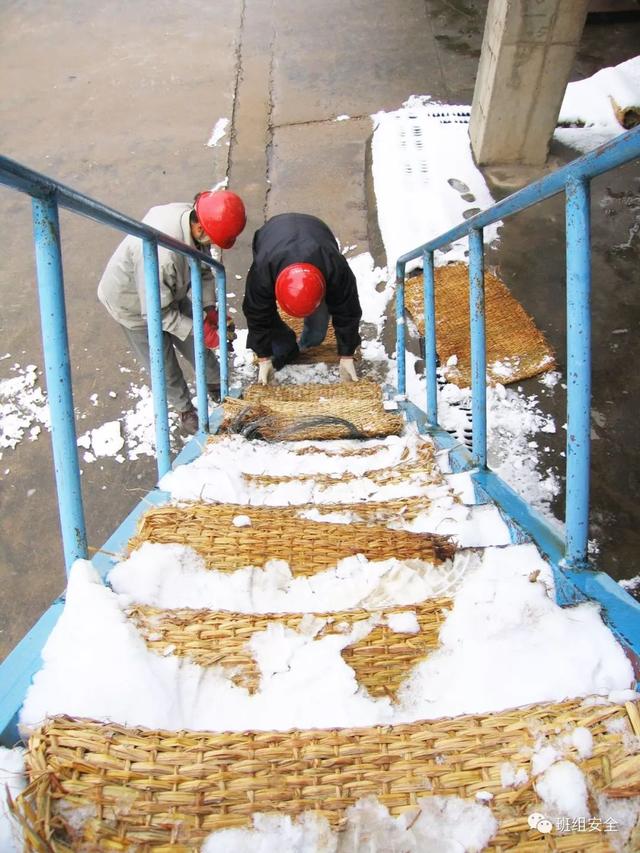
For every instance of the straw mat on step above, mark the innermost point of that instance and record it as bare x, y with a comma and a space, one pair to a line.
381, 661
421, 469
293, 420
308, 546
364, 389
516, 348
166, 791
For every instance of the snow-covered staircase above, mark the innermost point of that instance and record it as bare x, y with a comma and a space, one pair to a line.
358, 548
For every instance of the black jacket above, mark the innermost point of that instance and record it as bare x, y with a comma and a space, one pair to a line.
299, 238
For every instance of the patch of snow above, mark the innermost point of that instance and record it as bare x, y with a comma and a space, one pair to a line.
13, 778
23, 404
218, 132
438, 824
563, 791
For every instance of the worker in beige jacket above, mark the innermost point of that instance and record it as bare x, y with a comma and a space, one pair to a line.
214, 218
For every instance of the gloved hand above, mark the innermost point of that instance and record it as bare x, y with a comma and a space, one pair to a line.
265, 371
348, 370
211, 336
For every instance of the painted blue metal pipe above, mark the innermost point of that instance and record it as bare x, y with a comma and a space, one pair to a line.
55, 339
430, 338
620, 150
578, 224
221, 288
154, 328
401, 355
478, 348
198, 343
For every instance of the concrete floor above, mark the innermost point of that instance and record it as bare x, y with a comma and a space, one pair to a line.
119, 102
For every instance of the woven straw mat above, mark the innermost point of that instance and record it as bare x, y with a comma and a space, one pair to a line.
148, 790
512, 336
381, 661
422, 468
364, 389
308, 546
369, 418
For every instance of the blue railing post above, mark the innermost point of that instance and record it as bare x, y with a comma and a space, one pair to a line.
578, 217
46, 227
400, 330
221, 292
156, 357
430, 338
478, 348
198, 344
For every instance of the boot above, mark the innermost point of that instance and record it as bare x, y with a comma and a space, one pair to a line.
213, 389
189, 421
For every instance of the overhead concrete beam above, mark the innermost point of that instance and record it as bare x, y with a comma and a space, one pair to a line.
527, 55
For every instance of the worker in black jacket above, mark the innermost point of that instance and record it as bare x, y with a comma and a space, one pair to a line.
297, 264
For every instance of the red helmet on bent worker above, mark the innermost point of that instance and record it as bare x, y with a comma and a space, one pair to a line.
222, 215
300, 288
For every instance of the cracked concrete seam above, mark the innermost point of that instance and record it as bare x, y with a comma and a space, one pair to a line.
236, 88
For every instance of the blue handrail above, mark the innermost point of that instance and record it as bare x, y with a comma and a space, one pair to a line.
48, 196
573, 179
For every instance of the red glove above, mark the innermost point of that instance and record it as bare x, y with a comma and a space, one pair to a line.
211, 337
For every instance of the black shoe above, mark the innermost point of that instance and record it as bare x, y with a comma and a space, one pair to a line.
213, 389
189, 421
280, 361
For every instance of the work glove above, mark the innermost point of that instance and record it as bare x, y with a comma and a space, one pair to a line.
265, 371
211, 336
348, 370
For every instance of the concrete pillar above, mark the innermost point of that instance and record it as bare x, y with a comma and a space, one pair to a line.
527, 55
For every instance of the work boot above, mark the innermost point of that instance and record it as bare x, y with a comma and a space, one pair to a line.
213, 389
189, 421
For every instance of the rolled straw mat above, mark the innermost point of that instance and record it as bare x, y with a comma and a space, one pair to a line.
516, 349
381, 661
364, 389
279, 418
308, 546
165, 790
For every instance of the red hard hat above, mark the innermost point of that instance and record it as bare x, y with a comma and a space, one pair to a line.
300, 289
222, 215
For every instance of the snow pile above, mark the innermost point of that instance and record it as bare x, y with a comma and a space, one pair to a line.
589, 105
133, 432
499, 648
374, 291
24, 409
513, 420
499, 645
12, 781
437, 824
138, 423
174, 576
424, 177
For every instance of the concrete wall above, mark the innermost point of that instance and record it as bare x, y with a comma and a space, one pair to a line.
527, 55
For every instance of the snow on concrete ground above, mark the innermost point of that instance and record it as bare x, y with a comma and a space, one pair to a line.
588, 106
424, 177
24, 410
